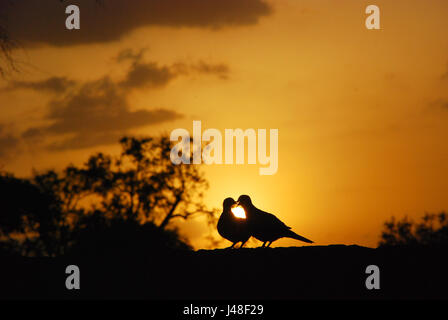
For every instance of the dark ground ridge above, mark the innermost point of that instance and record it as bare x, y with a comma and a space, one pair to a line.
309, 272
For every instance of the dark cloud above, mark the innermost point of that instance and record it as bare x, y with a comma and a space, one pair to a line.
140, 75
53, 84
148, 75
131, 54
444, 76
95, 114
441, 104
8, 142
83, 140
438, 106
43, 22
87, 114
152, 75
221, 70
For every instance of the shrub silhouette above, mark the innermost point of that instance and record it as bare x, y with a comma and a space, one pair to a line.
431, 231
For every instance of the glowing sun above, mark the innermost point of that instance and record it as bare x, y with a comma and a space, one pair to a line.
238, 212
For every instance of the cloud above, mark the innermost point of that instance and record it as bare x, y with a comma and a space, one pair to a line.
440, 103
82, 114
53, 85
82, 141
148, 75
8, 142
95, 114
131, 54
152, 75
221, 70
444, 76
43, 22
140, 74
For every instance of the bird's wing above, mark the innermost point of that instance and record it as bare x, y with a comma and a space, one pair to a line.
273, 220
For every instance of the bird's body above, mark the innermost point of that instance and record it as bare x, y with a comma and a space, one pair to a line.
230, 227
265, 226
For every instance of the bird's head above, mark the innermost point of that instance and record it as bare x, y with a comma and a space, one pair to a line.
245, 201
228, 203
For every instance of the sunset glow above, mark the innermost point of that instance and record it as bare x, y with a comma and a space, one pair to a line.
361, 114
239, 212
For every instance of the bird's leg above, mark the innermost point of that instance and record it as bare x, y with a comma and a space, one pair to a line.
231, 247
263, 244
269, 243
243, 243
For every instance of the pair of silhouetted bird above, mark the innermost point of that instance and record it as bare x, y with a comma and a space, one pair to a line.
261, 225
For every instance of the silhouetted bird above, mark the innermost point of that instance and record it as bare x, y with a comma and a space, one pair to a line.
265, 226
230, 227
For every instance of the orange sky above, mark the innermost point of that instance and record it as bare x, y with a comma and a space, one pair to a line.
361, 113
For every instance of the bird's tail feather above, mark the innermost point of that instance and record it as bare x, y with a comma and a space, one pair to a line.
292, 234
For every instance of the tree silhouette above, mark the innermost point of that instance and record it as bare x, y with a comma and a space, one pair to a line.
431, 231
142, 184
140, 189
6, 46
27, 211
